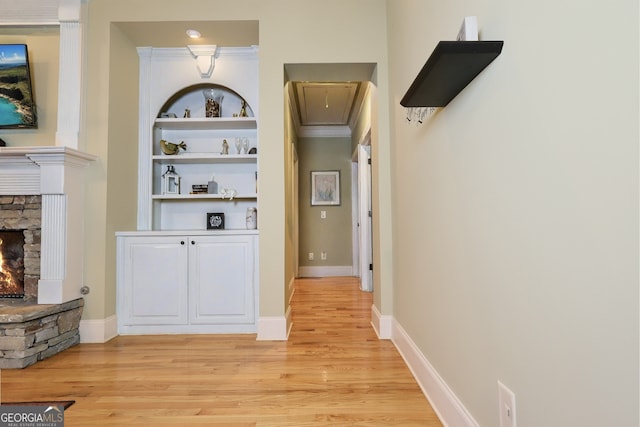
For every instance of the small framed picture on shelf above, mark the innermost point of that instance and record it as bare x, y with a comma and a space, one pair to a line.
325, 188
215, 221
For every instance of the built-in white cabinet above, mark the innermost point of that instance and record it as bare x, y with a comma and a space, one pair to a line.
180, 271
196, 283
153, 280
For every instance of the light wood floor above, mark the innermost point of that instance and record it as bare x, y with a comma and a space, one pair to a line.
332, 371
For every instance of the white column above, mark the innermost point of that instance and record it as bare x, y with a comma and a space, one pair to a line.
53, 249
70, 81
144, 146
62, 225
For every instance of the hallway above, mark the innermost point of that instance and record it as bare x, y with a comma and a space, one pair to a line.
332, 371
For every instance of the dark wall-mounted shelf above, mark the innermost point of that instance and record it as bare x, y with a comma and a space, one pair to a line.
449, 69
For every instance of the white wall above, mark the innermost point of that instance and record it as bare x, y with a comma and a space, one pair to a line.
516, 210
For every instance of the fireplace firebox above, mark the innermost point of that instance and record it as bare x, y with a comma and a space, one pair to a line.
12, 264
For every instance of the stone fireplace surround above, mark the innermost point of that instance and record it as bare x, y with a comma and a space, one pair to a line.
43, 192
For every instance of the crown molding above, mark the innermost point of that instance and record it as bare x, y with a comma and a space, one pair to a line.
23, 13
324, 132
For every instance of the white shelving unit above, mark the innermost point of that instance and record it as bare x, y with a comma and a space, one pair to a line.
174, 274
200, 163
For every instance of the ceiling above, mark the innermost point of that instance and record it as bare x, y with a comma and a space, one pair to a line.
326, 98
174, 33
331, 106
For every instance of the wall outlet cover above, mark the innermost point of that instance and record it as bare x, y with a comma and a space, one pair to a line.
506, 406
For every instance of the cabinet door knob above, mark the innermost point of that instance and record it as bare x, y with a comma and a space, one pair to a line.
193, 242
182, 242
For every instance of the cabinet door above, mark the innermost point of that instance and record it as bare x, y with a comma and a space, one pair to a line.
221, 285
154, 281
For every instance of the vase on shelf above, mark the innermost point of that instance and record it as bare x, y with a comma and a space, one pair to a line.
252, 218
213, 100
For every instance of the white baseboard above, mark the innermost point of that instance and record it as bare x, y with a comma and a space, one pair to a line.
326, 271
382, 324
274, 328
98, 330
444, 402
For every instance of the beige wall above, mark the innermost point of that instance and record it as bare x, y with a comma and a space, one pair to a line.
516, 210
43, 46
291, 204
333, 233
293, 32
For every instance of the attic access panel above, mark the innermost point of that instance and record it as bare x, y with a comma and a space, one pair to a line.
449, 69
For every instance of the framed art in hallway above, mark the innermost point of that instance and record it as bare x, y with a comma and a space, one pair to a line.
325, 188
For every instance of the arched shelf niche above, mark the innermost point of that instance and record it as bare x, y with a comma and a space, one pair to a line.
192, 98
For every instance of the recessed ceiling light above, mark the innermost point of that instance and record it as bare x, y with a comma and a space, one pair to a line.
194, 34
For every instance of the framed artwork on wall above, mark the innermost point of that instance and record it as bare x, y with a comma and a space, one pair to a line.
325, 188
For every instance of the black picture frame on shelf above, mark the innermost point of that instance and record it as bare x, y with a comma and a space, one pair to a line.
215, 221
17, 108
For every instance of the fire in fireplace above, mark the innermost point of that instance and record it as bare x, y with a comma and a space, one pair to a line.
11, 264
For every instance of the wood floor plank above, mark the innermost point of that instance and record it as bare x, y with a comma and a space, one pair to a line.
333, 370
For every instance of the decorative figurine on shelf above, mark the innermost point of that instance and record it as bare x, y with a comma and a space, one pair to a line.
225, 147
170, 148
238, 145
170, 181
187, 113
212, 103
243, 109
245, 145
228, 193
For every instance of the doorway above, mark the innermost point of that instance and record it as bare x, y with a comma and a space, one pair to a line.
354, 131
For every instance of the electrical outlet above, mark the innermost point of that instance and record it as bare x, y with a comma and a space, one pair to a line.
506, 406
323, 256
310, 256
323, 214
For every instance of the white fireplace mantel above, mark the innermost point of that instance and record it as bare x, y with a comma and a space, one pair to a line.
57, 174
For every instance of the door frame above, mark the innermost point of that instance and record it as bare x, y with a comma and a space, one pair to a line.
361, 217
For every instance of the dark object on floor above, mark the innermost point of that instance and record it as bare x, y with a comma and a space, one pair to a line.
2, 143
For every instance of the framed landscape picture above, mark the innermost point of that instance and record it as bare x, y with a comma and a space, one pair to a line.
325, 188
17, 109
